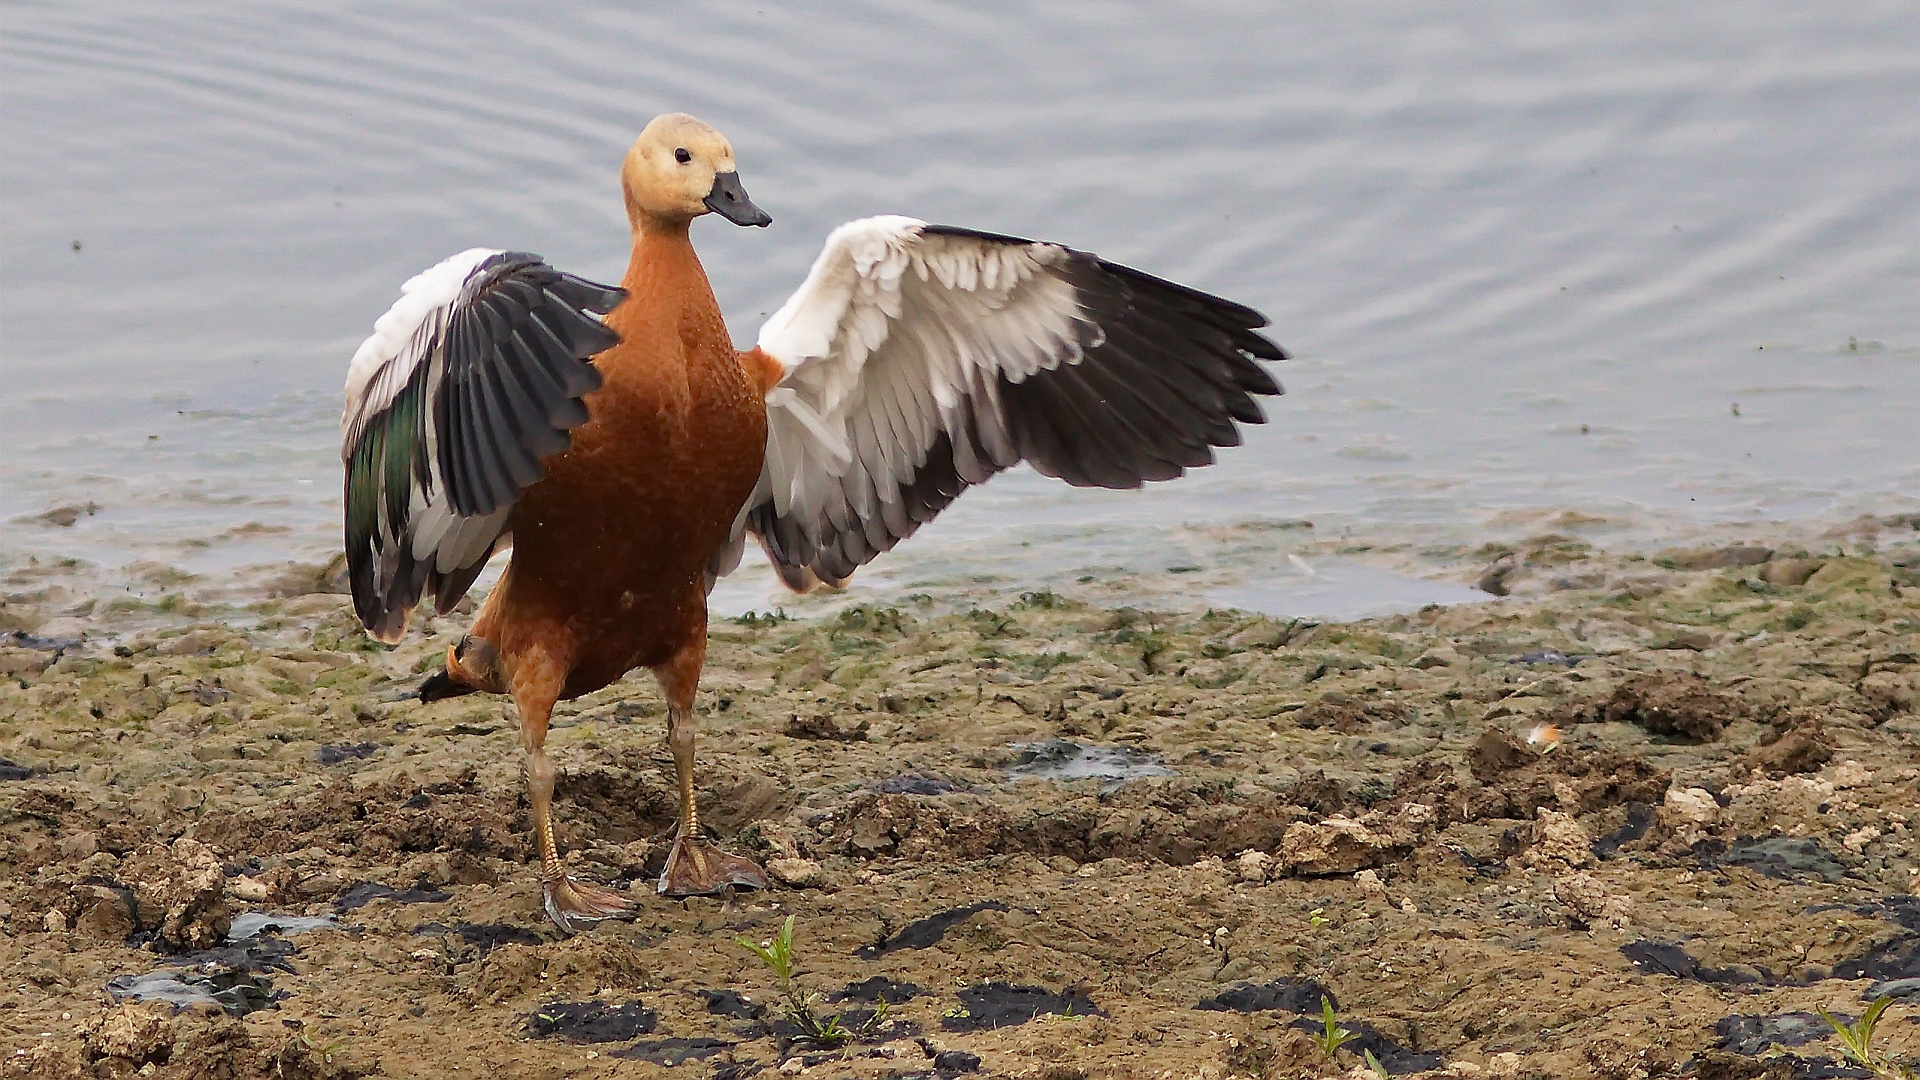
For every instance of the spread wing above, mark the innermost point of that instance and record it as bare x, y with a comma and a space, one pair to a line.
473, 376
922, 359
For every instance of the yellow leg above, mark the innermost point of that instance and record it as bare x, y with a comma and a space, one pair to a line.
695, 867
570, 903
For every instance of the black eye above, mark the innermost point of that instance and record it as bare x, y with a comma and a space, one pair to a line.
682, 156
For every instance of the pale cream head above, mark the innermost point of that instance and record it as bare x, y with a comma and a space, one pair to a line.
670, 173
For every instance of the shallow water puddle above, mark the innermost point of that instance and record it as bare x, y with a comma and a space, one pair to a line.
251, 924
1063, 759
237, 992
1341, 591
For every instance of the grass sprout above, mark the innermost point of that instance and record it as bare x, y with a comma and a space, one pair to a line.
1856, 1041
826, 1033
1332, 1036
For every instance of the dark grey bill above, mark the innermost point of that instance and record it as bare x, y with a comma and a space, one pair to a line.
729, 200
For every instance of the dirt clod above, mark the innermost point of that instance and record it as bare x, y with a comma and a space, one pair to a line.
1682, 704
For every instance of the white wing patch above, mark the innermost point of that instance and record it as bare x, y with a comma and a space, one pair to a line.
403, 337
922, 359
945, 306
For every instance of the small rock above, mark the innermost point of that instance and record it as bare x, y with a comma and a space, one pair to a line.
1252, 866
249, 889
80, 845
1682, 704
1590, 901
956, 1061
1892, 988
1691, 641
823, 728
1503, 1066
109, 918
180, 890
1341, 845
1494, 581
1715, 558
1370, 883
1689, 806
1859, 838
1800, 744
325, 883
1558, 841
65, 516
134, 1034
1790, 572
1496, 751
1850, 774
797, 873
1261, 635
194, 642
55, 921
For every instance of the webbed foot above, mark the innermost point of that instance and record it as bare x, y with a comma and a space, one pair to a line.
696, 867
573, 904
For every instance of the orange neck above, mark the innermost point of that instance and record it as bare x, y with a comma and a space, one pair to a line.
666, 285
662, 255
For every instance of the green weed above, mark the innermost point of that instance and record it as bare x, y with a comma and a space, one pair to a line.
777, 955
1332, 1036
1856, 1041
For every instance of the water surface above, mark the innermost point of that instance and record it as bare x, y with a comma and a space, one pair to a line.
1653, 267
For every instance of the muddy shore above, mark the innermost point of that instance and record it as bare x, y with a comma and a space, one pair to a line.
1639, 817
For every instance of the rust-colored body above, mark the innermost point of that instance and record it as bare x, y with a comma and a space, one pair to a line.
609, 549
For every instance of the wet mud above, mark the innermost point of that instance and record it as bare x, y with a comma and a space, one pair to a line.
1639, 818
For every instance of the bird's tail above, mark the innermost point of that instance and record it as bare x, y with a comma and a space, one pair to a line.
472, 665
440, 686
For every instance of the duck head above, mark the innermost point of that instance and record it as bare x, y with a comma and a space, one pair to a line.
678, 169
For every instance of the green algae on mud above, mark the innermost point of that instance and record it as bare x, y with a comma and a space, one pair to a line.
1454, 820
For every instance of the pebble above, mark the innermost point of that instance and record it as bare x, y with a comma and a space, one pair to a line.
797, 873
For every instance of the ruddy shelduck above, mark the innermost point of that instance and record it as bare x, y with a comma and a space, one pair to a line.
626, 458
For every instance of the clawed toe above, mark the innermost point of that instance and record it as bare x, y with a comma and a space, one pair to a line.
573, 905
697, 868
